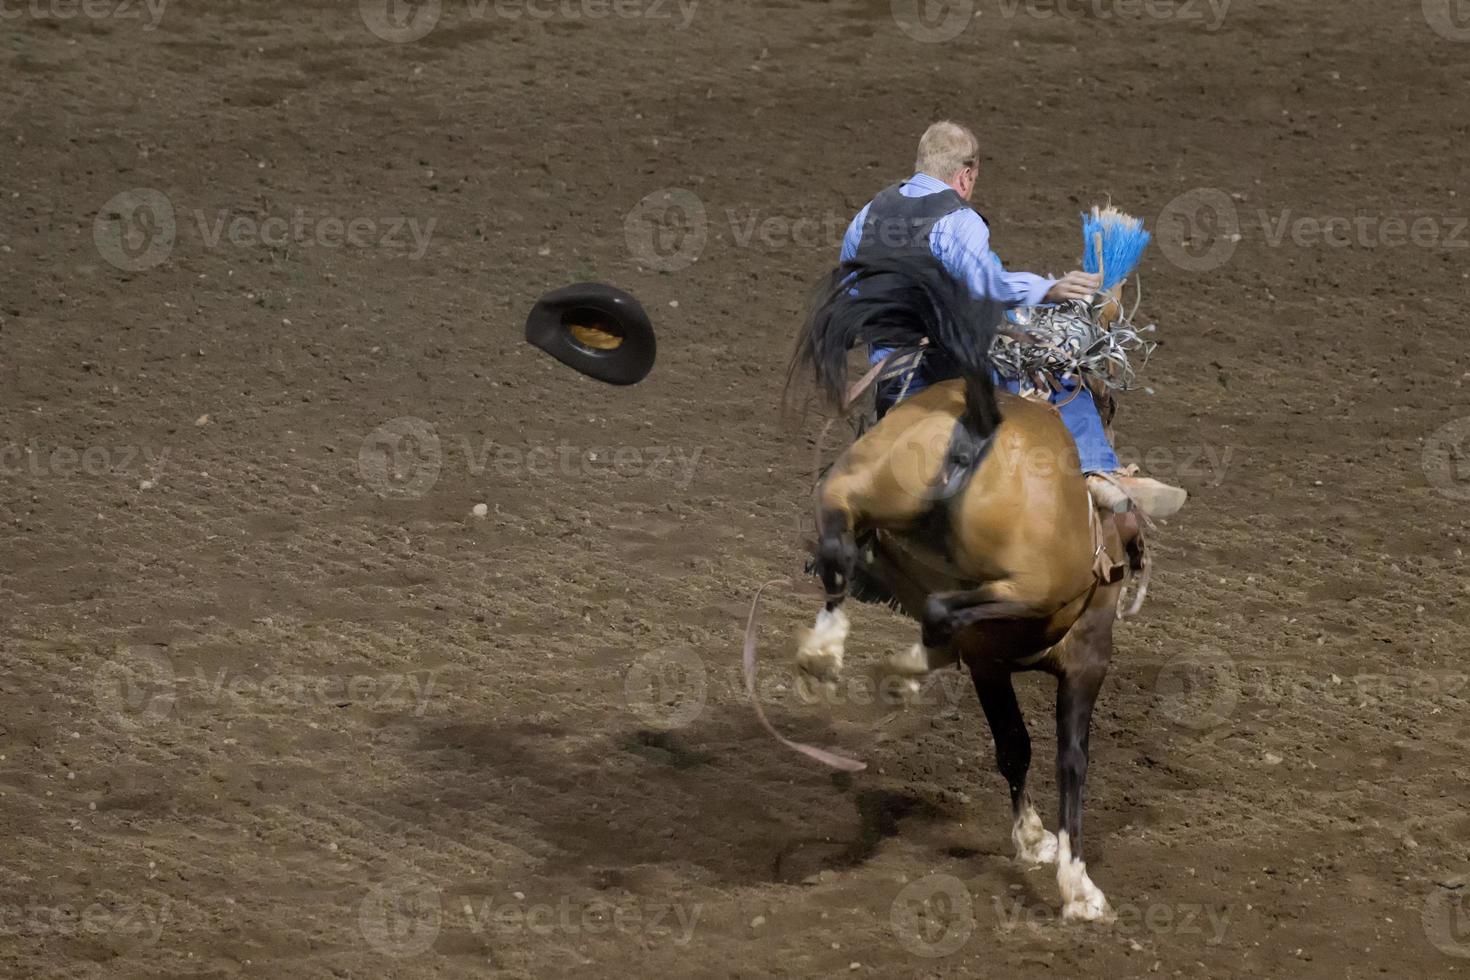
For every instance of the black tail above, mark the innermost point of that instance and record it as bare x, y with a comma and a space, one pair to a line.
897, 302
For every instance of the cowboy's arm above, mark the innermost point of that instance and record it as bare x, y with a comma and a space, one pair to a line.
961, 241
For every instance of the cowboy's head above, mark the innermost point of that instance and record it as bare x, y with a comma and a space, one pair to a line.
950, 152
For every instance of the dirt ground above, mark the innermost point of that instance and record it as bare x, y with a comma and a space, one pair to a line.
276, 703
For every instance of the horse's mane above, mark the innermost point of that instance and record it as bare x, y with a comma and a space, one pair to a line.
895, 303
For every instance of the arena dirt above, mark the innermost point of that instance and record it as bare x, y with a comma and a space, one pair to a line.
276, 703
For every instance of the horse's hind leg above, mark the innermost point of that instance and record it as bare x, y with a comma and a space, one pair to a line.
859, 490
1034, 844
946, 613
1084, 667
820, 649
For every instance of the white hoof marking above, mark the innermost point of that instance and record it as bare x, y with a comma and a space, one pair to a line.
1082, 901
819, 652
1034, 843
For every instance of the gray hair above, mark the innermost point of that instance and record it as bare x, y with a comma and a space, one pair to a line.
945, 149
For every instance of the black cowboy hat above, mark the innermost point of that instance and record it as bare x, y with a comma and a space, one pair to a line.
596, 329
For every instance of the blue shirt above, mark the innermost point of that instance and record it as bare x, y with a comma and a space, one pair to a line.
961, 241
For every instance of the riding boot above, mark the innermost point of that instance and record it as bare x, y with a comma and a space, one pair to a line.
1117, 493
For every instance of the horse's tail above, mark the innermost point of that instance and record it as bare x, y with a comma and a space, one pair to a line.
897, 302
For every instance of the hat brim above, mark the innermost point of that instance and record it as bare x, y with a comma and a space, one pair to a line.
595, 329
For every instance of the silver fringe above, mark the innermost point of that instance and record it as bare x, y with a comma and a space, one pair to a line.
1065, 343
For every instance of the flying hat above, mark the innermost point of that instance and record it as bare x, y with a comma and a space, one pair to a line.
596, 329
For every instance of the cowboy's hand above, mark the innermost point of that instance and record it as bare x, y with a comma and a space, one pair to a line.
1074, 285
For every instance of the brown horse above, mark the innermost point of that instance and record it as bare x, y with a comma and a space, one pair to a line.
982, 529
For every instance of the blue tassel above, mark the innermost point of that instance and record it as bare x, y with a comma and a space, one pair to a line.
1123, 242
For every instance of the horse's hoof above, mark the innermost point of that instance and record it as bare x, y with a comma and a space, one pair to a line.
1038, 851
1043, 851
1034, 843
819, 652
1091, 909
1082, 901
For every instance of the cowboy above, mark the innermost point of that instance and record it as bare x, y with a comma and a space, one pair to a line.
931, 211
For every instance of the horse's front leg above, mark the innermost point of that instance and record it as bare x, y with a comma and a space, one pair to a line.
819, 649
1077, 689
1034, 843
903, 673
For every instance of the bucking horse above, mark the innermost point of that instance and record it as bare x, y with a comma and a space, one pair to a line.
965, 506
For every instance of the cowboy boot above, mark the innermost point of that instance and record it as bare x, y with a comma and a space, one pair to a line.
1117, 493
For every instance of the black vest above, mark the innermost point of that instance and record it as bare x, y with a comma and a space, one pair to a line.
899, 225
